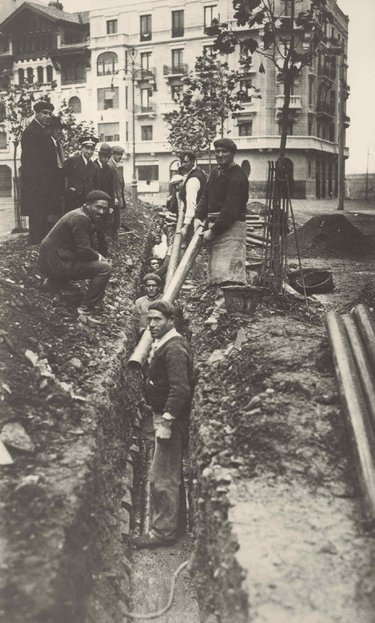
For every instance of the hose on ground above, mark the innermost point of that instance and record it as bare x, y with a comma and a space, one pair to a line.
159, 613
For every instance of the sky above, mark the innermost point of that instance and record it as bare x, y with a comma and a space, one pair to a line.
361, 76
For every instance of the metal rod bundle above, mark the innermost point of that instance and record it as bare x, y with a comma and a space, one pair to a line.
352, 338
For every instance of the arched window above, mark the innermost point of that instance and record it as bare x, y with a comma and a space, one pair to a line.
107, 63
21, 76
246, 167
75, 104
49, 70
40, 74
30, 74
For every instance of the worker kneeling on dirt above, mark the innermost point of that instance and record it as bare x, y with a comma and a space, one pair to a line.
67, 252
169, 390
152, 283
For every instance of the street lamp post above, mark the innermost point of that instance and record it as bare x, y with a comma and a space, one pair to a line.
133, 72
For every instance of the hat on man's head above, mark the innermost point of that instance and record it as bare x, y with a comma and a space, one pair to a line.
105, 149
43, 105
226, 143
152, 277
117, 149
176, 179
96, 195
88, 140
189, 154
55, 122
165, 307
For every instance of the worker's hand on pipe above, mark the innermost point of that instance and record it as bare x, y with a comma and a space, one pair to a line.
197, 223
208, 236
183, 231
164, 430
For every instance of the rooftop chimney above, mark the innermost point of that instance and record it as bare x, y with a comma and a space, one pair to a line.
56, 4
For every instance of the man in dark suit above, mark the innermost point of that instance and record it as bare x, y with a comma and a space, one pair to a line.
104, 180
79, 172
54, 129
119, 187
67, 252
39, 168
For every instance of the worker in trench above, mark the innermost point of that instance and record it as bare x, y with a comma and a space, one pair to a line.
152, 284
223, 203
168, 390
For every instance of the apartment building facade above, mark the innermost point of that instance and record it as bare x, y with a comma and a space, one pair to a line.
99, 61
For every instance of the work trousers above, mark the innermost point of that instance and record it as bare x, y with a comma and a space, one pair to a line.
98, 273
165, 483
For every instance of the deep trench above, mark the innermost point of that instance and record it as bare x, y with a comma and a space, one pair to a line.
123, 580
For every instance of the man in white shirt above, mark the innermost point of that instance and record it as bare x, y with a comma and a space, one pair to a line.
190, 192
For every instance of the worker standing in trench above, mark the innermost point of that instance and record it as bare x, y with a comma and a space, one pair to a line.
223, 202
169, 390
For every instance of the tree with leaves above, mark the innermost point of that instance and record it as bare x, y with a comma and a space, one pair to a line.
73, 131
289, 38
210, 94
286, 34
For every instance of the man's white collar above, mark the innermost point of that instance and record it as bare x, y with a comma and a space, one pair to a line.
166, 337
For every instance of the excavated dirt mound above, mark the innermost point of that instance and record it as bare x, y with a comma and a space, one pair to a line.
329, 235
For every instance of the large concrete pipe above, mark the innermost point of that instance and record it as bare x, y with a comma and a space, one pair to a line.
366, 325
356, 409
176, 246
141, 351
366, 375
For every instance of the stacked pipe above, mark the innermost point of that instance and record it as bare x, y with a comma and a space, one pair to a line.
352, 338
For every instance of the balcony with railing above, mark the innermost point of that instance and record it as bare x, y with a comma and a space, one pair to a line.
148, 110
109, 41
327, 71
145, 75
294, 104
325, 109
174, 71
167, 107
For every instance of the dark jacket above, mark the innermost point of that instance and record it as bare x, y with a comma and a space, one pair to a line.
170, 382
226, 193
41, 186
104, 180
201, 176
119, 183
79, 180
69, 241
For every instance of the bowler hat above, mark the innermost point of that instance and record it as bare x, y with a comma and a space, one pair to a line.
226, 143
55, 122
43, 105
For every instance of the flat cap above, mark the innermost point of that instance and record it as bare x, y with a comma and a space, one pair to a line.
152, 277
96, 195
226, 143
176, 179
165, 307
105, 149
43, 105
117, 149
88, 140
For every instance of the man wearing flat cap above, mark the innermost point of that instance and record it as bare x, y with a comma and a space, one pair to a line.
152, 283
39, 170
119, 186
223, 203
169, 390
79, 172
67, 252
